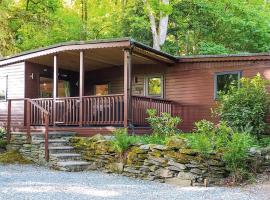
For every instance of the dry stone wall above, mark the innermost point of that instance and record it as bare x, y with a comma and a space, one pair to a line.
173, 163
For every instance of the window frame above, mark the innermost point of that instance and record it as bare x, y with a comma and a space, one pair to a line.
6, 89
146, 78
238, 72
106, 83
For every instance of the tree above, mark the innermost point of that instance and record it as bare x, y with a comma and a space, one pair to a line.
158, 10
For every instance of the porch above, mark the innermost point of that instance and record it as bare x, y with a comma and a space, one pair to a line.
108, 86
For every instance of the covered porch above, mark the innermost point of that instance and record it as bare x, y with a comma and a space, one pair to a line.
95, 84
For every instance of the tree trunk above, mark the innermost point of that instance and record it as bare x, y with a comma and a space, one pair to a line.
159, 33
163, 24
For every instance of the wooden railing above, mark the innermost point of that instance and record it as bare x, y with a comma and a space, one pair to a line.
97, 110
141, 104
103, 110
40, 113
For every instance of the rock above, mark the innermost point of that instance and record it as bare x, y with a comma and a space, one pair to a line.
159, 147
188, 152
196, 171
145, 147
153, 168
116, 167
164, 173
255, 151
177, 165
131, 170
179, 157
176, 143
157, 161
186, 176
178, 182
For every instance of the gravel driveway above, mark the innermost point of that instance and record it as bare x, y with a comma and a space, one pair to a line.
31, 182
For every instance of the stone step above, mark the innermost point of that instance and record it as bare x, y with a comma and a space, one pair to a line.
72, 166
67, 156
60, 149
52, 142
53, 135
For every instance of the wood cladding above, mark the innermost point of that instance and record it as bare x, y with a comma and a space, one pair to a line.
15, 89
191, 85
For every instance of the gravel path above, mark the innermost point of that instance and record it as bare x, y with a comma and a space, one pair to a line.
31, 182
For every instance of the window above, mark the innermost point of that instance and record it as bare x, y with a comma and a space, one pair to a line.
3, 88
224, 80
154, 86
101, 89
46, 88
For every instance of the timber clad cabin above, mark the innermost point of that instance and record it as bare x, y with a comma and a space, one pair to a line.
93, 87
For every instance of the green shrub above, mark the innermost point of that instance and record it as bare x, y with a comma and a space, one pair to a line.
164, 124
154, 139
245, 107
236, 153
2, 133
122, 141
201, 139
264, 142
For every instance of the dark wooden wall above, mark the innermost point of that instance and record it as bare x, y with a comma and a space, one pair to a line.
114, 76
15, 89
191, 85
32, 81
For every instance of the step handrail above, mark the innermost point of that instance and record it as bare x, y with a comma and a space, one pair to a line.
46, 113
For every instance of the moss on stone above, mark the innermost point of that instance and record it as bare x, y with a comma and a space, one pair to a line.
13, 157
176, 143
179, 157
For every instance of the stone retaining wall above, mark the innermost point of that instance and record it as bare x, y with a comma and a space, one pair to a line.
33, 151
172, 164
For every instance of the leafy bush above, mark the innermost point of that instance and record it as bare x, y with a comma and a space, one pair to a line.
122, 141
234, 145
201, 139
236, 153
2, 133
245, 107
153, 139
264, 142
164, 124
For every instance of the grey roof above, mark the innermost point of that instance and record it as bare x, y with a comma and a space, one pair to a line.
132, 42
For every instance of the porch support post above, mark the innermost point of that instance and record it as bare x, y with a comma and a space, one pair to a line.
81, 87
55, 86
127, 88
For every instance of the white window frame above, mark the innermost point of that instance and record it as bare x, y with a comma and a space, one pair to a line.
239, 73
5, 77
146, 78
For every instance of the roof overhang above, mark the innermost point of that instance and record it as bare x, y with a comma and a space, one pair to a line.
138, 49
225, 58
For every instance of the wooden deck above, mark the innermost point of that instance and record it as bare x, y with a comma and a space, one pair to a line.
97, 111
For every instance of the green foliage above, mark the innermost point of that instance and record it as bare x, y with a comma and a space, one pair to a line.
201, 139
233, 145
122, 141
2, 133
154, 139
195, 26
264, 142
236, 152
163, 125
245, 107
13, 157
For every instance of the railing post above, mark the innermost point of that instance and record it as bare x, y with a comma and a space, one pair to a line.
28, 115
46, 144
81, 92
55, 86
9, 121
127, 88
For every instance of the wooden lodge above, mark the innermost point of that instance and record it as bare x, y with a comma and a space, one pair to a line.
93, 87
